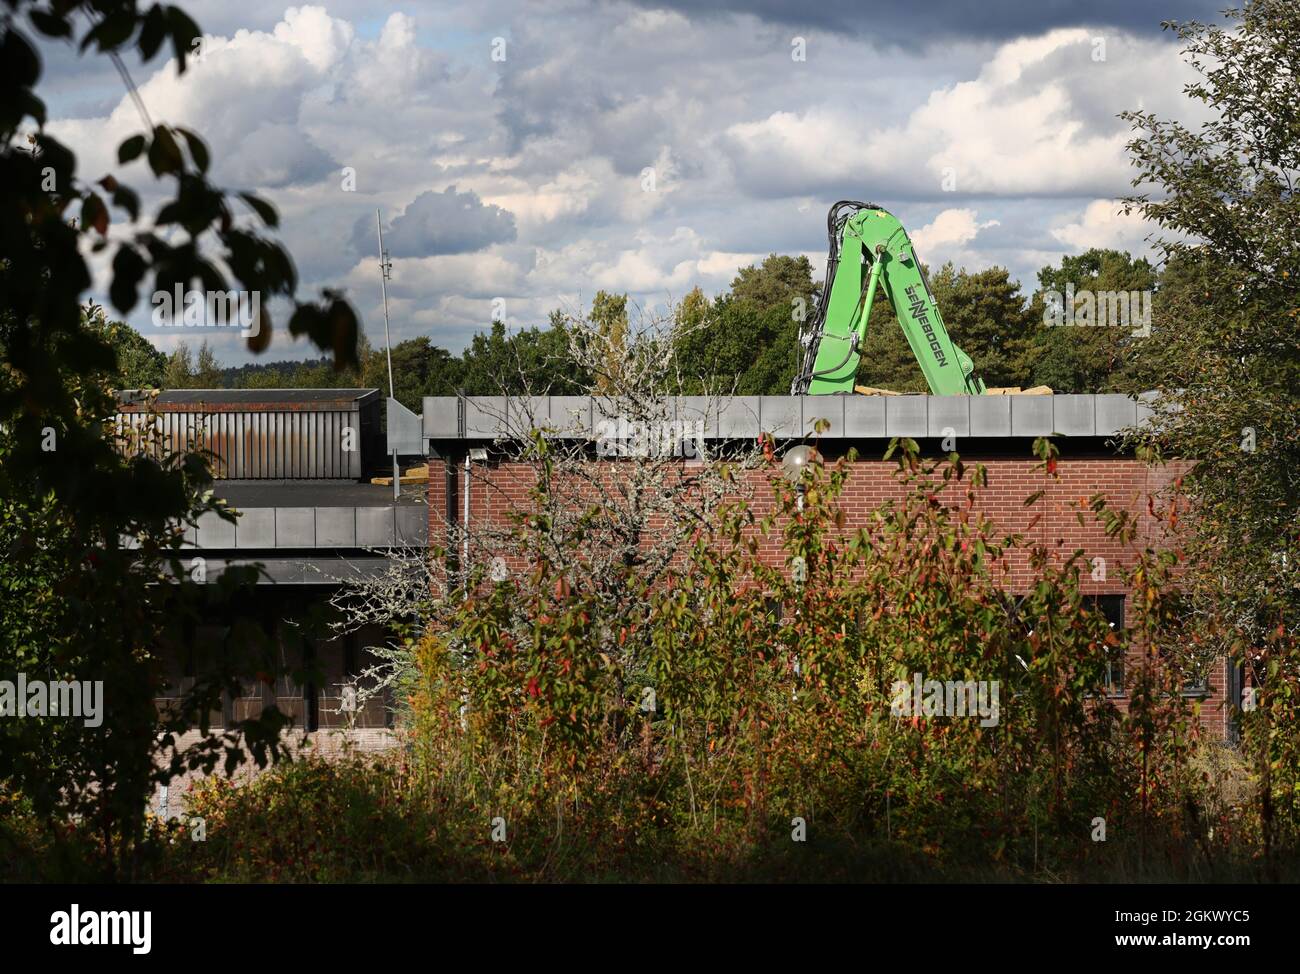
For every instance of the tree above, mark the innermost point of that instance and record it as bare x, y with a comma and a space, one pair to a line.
618, 526
179, 373
274, 375
779, 281
1098, 356
609, 312
139, 364
420, 369
313, 373
534, 361
985, 314
990, 320
87, 606
207, 370
747, 341
1224, 197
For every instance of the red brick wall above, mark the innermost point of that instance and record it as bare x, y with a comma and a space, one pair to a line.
498, 487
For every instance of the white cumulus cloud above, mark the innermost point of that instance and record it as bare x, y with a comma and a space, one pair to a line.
1103, 224
950, 231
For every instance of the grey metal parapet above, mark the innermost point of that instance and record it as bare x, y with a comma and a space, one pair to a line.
313, 528
304, 545
298, 570
790, 417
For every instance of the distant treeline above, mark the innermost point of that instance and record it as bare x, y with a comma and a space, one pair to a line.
746, 339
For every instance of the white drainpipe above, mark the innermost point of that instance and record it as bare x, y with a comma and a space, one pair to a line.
464, 540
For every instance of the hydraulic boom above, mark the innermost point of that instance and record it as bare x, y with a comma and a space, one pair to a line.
870, 250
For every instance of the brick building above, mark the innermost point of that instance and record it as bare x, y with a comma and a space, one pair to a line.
474, 482
296, 465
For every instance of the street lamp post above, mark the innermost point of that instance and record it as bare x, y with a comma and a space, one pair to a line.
795, 462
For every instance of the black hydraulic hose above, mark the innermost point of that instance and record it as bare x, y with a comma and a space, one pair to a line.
835, 221
852, 339
853, 347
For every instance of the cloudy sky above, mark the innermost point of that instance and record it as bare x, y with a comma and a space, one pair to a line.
530, 153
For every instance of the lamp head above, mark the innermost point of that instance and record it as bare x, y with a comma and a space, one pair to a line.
797, 460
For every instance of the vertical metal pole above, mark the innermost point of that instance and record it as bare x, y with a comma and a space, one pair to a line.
464, 540
384, 266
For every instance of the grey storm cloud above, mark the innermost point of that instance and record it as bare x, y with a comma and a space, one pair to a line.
450, 222
910, 25
276, 155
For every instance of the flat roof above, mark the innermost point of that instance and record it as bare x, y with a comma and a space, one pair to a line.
258, 396
793, 417
242, 494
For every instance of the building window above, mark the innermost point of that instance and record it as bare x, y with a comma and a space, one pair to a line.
1112, 607
339, 702
1195, 664
1197, 685
775, 610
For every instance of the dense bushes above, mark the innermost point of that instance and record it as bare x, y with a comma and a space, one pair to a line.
313, 820
742, 705
750, 720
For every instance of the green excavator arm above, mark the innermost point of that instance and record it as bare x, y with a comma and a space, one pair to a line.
870, 251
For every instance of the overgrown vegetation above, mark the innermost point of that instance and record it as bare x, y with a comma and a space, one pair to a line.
709, 712
1224, 197
90, 575
747, 725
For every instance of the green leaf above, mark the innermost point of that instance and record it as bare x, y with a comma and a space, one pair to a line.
128, 269
168, 214
111, 32
264, 209
24, 104
343, 334
94, 214
22, 66
183, 31
164, 153
130, 149
198, 150
126, 199
50, 24
152, 32
258, 342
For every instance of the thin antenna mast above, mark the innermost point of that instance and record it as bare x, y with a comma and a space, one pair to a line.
385, 269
